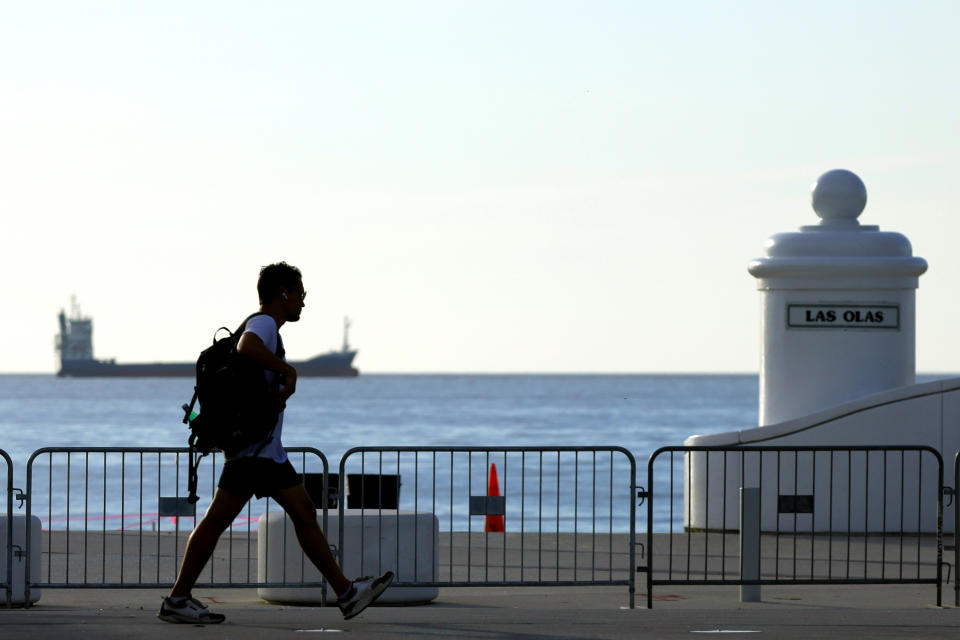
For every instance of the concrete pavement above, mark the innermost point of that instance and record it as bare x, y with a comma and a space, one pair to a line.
526, 613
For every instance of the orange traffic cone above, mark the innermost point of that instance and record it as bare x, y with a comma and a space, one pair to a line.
493, 523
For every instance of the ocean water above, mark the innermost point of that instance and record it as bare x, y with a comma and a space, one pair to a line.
636, 412
639, 413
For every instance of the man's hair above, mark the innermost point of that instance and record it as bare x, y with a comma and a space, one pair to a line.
274, 278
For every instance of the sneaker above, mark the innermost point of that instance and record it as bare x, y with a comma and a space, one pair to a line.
190, 611
362, 594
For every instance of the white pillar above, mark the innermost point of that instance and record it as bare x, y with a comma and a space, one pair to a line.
837, 307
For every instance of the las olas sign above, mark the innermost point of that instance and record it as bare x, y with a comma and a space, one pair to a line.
843, 316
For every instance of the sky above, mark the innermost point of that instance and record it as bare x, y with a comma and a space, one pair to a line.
495, 186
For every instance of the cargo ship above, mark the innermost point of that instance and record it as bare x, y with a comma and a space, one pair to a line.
74, 345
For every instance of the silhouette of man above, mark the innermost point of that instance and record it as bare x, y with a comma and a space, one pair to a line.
263, 469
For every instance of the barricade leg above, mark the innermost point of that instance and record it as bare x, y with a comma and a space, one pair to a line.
749, 543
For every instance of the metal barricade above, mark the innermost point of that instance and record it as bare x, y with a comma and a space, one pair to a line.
564, 516
119, 517
953, 493
7, 549
822, 515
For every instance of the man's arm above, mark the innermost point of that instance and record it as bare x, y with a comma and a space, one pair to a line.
252, 346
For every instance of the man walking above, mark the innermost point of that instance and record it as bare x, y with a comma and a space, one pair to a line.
263, 469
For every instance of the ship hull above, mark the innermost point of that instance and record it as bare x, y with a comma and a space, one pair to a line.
338, 364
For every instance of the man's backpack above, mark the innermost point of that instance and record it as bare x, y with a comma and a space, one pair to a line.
237, 406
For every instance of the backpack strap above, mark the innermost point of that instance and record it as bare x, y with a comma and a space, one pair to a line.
192, 457
280, 353
243, 325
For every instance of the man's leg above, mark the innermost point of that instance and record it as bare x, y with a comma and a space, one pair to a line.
224, 508
299, 507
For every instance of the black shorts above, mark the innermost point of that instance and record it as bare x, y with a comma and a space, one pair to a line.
248, 475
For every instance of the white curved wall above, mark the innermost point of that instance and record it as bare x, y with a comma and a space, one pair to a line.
922, 414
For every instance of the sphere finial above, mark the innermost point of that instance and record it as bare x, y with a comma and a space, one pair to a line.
838, 197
